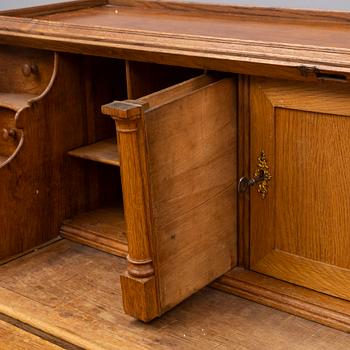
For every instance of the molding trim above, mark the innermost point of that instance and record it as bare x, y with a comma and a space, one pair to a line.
223, 54
299, 301
53, 8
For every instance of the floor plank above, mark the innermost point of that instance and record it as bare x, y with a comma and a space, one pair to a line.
73, 292
12, 337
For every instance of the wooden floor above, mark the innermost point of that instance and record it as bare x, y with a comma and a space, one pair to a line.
70, 295
12, 337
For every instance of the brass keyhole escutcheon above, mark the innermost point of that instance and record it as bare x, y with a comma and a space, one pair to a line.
261, 177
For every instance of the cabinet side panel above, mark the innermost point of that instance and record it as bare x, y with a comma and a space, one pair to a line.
193, 159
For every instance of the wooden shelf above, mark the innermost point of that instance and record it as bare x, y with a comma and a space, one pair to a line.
105, 151
103, 228
15, 101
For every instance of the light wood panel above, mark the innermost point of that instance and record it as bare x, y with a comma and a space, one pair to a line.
300, 231
12, 337
140, 295
102, 228
192, 160
105, 151
304, 302
177, 207
41, 10
73, 292
224, 38
178, 91
172, 22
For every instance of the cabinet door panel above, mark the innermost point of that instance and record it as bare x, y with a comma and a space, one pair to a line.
300, 231
192, 159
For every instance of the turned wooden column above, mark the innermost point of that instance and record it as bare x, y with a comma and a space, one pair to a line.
138, 282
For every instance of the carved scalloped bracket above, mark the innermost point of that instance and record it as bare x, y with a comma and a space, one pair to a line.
140, 297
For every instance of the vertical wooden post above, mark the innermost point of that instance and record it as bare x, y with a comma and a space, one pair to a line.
138, 282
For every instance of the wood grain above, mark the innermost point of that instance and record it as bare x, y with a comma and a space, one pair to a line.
193, 197
12, 337
140, 294
103, 228
227, 44
35, 193
304, 302
105, 151
53, 8
171, 230
12, 79
56, 290
178, 91
305, 240
260, 13
175, 23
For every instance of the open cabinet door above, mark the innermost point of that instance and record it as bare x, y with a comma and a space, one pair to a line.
178, 163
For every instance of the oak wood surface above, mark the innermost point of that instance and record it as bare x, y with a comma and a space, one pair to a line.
288, 297
103, 228
105, 151
53, 8
231, 11
177, 91
63, 299
300, 231
170, 22
235, 44
12, 337
185, 8
192, 161
173, 202
138, 283
33, 191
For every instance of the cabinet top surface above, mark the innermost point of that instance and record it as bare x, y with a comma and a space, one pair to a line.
278, 37
143, 19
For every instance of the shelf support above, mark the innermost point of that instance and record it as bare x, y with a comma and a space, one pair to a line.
138, 283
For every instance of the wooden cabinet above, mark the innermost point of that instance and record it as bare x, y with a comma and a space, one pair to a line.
299, 232
128, 127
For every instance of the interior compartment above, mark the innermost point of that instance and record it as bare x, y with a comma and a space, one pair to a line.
101, 223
